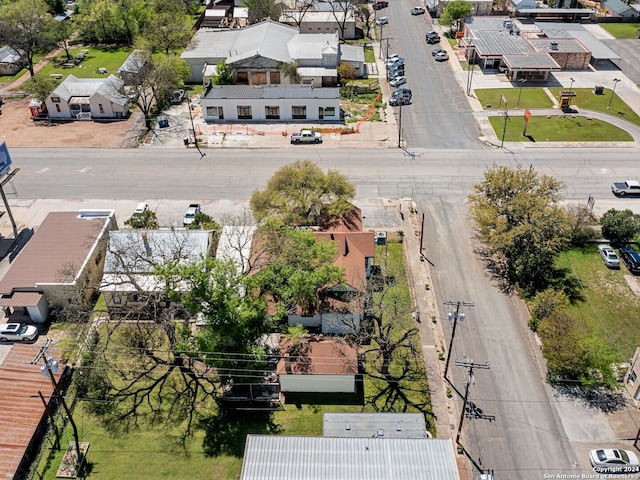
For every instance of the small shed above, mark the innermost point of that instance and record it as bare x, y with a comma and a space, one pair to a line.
132, 66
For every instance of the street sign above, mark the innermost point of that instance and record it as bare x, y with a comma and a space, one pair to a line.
527, 115
5, 158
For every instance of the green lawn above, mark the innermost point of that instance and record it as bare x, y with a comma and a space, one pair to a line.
216, 449
9, 79
558, 129
369, 54
610, 309
490, 98
110, 58
622, 30
585, 98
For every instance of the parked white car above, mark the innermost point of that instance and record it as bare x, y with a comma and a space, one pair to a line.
609, 256
614, 460
382, 21
396, 82
17, 332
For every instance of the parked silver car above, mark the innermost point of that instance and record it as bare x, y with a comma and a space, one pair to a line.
609, 256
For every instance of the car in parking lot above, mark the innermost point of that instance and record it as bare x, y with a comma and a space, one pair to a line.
609, 256
14, 332
630, 258
614, 460
398, 101
441, 56
417, 11
382, 21
397, 81
141, 208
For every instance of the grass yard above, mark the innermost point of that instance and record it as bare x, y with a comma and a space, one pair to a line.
610, 308
490, 98
110, 58
369, 55
558, 129
622, 30
585, 98
217, 447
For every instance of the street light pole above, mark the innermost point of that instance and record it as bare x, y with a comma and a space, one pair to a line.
381, 27
400, 127
504, 129
570, 91
470, 66
615, 84
522, 82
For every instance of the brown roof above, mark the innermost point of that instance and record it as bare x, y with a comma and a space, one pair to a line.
20, 404
63, 239
353, 249
318, 357
21, 299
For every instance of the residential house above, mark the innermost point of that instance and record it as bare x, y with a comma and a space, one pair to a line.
323, 21
355, 56
10, 61
129, 71
632, 378
336, 458
61, 264
618, 8
372, 425
341, 308
88, 99
316, 364
132, 255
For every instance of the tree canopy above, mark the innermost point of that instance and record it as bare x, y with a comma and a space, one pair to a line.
224, 74
620, 226
454, 11
301, 193
517, 216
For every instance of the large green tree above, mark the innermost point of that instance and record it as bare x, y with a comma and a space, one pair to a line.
168, 28
518, 218
224, 74
301, 193
292, 267
454, 11
620, 226
28, 28
40, 86
260, 10
563, 345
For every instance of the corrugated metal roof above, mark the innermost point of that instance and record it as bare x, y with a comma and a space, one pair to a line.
257, 91
235, 244
387, 425
273, 457
63, 239
21, 299
531, 61
351, 53
490, 43
317, 72
563, 45
598, 49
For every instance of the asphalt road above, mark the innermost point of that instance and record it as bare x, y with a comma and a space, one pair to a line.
526, 439
439, 116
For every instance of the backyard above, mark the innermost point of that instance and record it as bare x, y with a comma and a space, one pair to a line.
216, 448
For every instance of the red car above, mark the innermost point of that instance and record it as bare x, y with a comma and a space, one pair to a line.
380, 5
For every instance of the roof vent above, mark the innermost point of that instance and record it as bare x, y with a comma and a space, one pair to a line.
553, 45
380, 433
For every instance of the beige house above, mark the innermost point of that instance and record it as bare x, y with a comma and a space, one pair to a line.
632, 378
327, 21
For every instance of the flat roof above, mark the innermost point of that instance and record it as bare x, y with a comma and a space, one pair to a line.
63, 241
321, 357
531, 61
598, 50
387, 425
263, 91
275, 457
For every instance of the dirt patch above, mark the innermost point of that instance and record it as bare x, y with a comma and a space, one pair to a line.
18, 130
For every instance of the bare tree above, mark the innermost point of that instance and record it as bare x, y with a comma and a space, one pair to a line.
297, 14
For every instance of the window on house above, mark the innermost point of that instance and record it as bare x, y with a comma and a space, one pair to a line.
272, 113
57, 108
116, 298
101, 108
242, 77
299, 113
258, 78
274, 78
632, 377
244, 112
215, 112
55, 99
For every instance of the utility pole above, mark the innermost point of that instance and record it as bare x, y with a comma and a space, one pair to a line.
470, 366
193, 128
454, 315
48, 370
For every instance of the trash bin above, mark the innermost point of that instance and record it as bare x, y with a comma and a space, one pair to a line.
163, 121
186, 140
598, 90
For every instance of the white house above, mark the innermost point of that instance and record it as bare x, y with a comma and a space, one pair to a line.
88, 99
325, 21
230, 103
133, 254
10, 61
523, 4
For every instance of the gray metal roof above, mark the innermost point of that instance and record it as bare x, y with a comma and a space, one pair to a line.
274, 457
110, 87
386, 425
261, 91
135, 61
313, 45
494, 43
531, 61
352, 53
563, 45
477, 24
598, 49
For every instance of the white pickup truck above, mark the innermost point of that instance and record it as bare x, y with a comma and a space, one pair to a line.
191, 213
306, 136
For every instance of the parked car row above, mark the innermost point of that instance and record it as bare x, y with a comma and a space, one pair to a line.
629, 256
396, 77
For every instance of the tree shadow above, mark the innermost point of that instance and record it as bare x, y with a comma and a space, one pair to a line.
599, 398
226, 432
